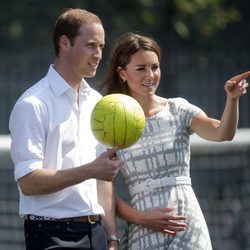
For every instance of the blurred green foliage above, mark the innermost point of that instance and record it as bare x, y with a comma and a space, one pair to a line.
28, 24
203, 17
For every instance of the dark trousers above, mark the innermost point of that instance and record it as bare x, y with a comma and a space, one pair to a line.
45, 235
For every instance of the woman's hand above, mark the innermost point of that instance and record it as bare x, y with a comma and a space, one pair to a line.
237, 85
161, 220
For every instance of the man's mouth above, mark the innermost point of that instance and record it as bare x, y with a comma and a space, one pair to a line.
93, 65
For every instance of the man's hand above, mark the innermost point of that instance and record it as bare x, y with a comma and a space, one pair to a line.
106, 166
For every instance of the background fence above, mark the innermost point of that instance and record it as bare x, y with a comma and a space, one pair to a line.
11, 228
198, 77
220, 176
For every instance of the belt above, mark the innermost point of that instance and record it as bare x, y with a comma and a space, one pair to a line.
90, 218
151, 184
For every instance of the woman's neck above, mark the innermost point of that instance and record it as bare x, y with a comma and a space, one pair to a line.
152, 105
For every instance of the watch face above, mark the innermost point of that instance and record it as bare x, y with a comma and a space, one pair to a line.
113, 237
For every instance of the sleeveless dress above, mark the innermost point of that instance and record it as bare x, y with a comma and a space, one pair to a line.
164, 151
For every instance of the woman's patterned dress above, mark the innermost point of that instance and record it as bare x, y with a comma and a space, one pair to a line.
164, 151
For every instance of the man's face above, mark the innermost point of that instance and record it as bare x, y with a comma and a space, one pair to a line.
86, 51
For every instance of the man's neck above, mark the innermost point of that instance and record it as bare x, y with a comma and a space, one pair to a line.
67, 75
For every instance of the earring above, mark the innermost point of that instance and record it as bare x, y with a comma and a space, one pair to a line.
123, 80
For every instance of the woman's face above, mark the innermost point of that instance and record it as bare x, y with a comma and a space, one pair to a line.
142, 74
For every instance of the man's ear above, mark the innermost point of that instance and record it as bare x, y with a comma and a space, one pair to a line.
64, 42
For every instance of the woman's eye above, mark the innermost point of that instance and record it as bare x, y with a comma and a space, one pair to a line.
155, 67
139, 69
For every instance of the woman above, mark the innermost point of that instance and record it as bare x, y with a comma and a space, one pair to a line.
164, 212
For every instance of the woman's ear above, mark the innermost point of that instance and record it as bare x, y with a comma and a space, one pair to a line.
121, 73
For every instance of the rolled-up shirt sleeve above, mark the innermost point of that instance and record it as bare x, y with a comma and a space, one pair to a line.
27, 130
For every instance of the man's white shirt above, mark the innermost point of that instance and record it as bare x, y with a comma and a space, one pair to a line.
50, 128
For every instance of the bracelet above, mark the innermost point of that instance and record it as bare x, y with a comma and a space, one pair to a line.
113, 237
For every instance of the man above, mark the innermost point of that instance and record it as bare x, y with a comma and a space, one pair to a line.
54, 151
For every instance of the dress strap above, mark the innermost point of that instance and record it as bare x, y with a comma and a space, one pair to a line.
151, 184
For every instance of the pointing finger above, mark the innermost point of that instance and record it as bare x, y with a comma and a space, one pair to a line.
240, 77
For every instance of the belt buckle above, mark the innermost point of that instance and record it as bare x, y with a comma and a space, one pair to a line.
90, 221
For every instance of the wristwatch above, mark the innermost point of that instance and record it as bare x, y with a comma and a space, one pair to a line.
113, 237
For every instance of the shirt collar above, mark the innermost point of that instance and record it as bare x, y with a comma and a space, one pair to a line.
84, 87
59, 86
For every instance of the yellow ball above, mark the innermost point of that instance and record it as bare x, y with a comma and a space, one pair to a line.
117, 120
